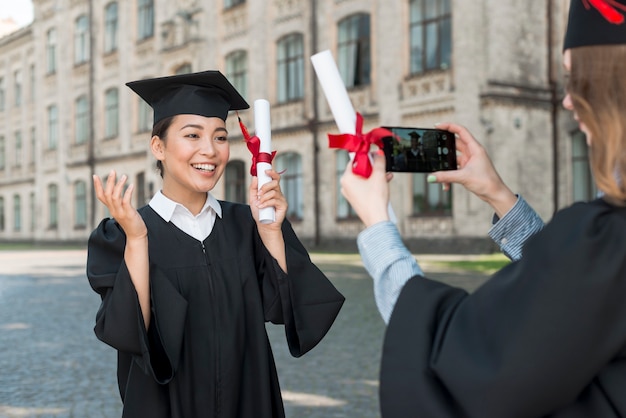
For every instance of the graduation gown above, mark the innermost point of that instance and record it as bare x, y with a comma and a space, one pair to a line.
206, 352
544, 337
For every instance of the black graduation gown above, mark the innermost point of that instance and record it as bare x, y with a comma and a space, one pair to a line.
206, 352
544, 337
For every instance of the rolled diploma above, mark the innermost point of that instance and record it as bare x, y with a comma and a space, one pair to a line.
338, 99
263, 132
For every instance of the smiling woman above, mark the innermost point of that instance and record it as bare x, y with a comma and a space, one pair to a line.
188, 282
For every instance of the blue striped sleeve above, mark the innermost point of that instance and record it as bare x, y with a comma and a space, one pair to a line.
515, 227
388, 261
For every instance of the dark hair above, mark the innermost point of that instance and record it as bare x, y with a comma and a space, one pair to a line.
160, 129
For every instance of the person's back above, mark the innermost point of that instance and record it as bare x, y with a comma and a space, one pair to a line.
546, 335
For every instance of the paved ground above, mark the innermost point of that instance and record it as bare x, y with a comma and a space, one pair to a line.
51, 364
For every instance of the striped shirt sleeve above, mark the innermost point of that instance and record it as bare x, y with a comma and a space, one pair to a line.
388, 261
515, 227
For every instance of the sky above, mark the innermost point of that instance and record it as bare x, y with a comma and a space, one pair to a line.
20, 10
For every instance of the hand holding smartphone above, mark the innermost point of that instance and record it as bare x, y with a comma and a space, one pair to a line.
419, 150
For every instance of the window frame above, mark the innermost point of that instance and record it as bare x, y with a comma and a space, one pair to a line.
355, 71
81, 40
441, 21
111, 113
290, 68
111, 26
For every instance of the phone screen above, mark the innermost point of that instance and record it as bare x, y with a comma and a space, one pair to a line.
419, 150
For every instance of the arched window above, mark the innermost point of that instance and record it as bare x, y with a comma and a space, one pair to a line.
291, 183
237, 71
81, 40
81, 120
429, 198
290, 68
53, 206
584, 188
235, 182
183, 69
53, 126
111, 113
344, 210
80, 204
145, 19
51, 51
354, 50
17, 213
430, 35
110, 27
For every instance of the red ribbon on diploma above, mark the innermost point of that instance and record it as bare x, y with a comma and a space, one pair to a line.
360, 143
254, 145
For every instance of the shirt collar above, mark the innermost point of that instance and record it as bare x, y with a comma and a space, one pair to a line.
165, 206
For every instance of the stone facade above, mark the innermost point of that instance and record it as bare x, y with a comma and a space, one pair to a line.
504, 83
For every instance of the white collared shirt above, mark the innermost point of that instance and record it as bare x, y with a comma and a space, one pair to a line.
198, 226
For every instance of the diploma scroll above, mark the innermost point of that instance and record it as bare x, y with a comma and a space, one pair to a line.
263, 132
338, 99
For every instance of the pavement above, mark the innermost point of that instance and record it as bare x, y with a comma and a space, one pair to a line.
52, 365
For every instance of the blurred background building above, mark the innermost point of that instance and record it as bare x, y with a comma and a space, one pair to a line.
65, 113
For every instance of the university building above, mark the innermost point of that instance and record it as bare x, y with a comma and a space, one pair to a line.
495, 67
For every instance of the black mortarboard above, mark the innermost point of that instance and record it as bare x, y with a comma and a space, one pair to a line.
207, 93
595, 22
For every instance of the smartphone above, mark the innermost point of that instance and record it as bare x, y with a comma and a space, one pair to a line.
419, 150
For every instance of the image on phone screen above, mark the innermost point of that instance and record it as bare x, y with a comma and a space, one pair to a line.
419, 150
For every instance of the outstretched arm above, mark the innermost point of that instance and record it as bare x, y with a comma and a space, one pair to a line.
118, 202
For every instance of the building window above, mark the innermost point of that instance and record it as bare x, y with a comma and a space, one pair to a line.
80, 204
53, 126
431, 35
1, 213
237, 71
2, 94
291, 183
32, 212
18, 88
235, 182
81, 119
584, 188
81, 40
290, 68
430, 198
2, 153
33, 145
232, 3
183, 69
51, 51
53, 206
32, 83
110, 28
111, 113
140, 189
17, 213
18, 148
144, 121
145, 23
344, 210
353, 50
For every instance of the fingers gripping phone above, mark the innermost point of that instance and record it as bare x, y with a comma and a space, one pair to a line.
419, 150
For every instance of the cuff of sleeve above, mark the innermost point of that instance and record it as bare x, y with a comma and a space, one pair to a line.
515, 227
380, 246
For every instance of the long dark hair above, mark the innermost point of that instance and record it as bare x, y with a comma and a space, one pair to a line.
160, 129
